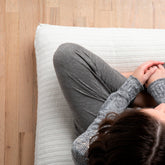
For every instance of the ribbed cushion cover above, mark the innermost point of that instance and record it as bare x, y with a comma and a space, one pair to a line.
122, 48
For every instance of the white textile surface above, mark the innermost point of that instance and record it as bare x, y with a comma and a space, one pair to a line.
122, 48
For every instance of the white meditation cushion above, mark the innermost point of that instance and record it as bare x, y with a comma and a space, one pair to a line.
122, 48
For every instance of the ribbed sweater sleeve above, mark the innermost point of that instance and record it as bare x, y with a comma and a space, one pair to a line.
116, 102
157, 90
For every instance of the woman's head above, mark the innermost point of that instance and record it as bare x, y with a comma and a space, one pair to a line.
132, 138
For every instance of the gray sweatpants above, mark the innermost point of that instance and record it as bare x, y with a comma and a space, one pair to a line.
86, 81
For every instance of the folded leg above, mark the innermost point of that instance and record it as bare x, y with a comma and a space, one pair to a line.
86, 81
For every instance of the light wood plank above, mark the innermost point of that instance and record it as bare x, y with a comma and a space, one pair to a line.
2, 83
26, 69
159, 13
26, 150
83, 13
12, 5
12, 85
66, 12
52, 3
27, 82
103, 13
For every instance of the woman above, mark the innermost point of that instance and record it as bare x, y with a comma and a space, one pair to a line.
114, 121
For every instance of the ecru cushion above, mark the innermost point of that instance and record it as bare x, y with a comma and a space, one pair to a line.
122, 48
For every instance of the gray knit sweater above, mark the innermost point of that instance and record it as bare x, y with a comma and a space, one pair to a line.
116, 102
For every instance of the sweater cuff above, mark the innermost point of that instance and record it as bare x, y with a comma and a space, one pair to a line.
132, 86
157, 90
135, 84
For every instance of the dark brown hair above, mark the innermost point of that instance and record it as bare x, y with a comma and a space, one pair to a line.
131, 138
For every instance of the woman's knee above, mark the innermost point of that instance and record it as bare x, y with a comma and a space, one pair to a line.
65, 51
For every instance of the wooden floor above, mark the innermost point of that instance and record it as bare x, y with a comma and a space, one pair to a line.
18, 84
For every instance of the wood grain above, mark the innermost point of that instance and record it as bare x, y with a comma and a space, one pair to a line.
18, 83
2, 82
12, 5
12, 89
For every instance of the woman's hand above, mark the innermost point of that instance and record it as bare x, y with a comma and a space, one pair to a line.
159, 73
145, 70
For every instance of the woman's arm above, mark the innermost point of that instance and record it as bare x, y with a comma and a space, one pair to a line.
156, 85
143, 99
116, 102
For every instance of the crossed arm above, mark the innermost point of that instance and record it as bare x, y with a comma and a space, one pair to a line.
147, 73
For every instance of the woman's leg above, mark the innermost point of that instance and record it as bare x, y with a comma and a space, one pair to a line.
86, 81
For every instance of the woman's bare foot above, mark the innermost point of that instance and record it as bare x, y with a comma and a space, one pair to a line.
143, 99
